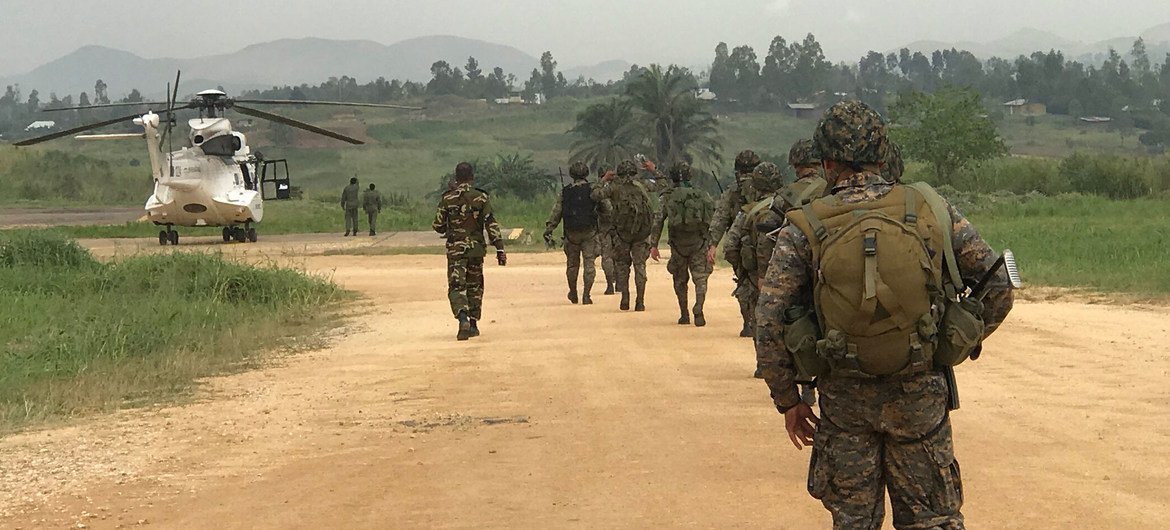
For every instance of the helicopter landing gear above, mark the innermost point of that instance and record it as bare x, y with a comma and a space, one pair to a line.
227, 235
245, 234
168, 236
251, 233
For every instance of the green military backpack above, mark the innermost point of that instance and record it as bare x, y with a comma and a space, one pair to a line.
879, 291
632, 218
689, 210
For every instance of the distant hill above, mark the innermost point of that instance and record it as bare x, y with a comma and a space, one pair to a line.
1028, 40
282, 62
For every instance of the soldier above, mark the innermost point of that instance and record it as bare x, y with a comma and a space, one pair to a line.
372, 204
350, 201
576, 207
688, 212
884, 421
730, 204
767, 217
605, 235
465, 213
632, 219
740, 249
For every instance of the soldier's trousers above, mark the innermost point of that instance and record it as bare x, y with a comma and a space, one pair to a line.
605, 250
351, 220
372, 219
465, 286
627, 255
575, 252
886, 434
747, 292
683, 267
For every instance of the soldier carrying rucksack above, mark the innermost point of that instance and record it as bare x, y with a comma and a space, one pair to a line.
632, 220
687, 212
740, 248
578, 210
866, 290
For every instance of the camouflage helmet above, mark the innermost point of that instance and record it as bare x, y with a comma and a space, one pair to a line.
680, 171
627, 168
803, 153
853, 133
766, 178
579, 170
746, 161
895, 166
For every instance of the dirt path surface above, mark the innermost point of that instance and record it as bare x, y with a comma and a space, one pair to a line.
583, 417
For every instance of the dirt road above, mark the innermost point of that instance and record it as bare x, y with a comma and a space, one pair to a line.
570, 416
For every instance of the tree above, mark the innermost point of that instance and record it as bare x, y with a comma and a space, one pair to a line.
722, 76
552, 82
99, 93
444, 79
83, 101
948, 130
606, 134
672, 119
133, 97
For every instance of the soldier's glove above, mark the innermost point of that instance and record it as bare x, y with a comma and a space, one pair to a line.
548, 239
501, 257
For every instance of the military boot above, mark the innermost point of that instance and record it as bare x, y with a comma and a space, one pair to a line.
573, 295
464, 327
700, 298
624, 288
640, 302
585, 299
608, 287
684, 315
747, 330
474, 327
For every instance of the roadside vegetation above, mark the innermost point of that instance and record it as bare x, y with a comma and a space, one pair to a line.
80, 336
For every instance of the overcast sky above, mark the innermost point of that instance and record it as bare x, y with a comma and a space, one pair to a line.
578, 32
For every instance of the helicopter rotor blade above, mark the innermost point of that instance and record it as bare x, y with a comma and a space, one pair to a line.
160, 104
75, 130
175, 95
294, 123
333, 103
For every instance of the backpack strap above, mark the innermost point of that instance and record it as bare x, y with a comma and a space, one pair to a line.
938, 206
814, 222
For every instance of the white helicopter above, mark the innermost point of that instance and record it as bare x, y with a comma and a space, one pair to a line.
217, 180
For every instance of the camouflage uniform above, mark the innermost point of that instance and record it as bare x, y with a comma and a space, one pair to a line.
729, 206
464, 214
350, 202
894, 166
879, 433
688, 251
740, 249
372, 204
578, 244
627, 254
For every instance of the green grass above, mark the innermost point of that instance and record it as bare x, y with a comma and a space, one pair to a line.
1085, 242
80, 336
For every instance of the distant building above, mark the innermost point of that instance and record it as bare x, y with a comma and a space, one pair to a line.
802, 110
705, 94
1095, 119
40, 125
1021, 107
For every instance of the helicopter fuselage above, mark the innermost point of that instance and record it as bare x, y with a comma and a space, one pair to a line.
212, 183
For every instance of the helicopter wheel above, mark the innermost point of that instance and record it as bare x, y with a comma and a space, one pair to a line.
251, 233
162, 238
173, 236
239, 234
227, 235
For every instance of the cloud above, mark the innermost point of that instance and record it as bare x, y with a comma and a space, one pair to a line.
779, 6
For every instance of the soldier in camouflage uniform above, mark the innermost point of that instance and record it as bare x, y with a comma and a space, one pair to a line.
631, 250
605, 235
580, 230
464, 214
688, 248
372, 204
740, 248
888, 432
729, 205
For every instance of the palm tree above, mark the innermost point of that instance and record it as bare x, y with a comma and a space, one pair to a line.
607, 133
678, 127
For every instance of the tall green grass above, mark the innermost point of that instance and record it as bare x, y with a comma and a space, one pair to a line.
77, 335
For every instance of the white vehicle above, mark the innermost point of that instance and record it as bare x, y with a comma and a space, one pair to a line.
216, 180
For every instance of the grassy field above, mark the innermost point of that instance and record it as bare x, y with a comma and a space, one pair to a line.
80, 336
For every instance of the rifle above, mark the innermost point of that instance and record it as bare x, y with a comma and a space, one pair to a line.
1008, 260
717, 183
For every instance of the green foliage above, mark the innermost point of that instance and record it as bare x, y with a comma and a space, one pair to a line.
79, 336
512, 175
57, 176
606, 134
946, 129
1090, 174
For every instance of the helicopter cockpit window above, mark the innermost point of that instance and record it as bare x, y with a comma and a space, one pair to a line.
225, 145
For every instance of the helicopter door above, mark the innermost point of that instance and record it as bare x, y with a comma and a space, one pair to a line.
274, 180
